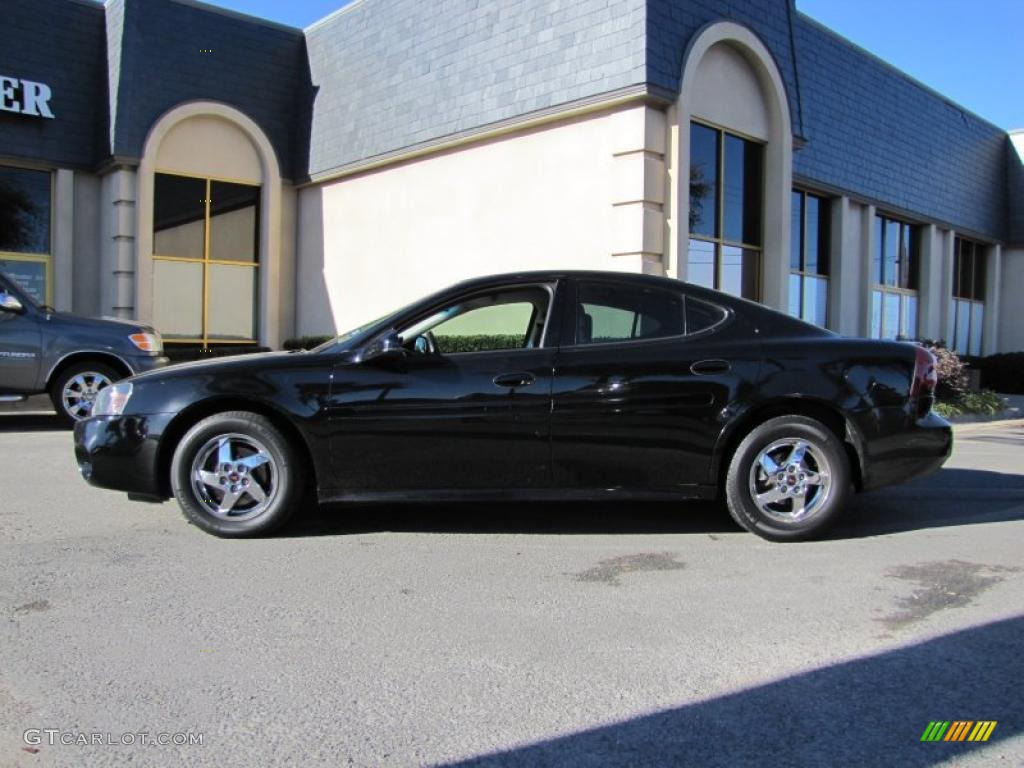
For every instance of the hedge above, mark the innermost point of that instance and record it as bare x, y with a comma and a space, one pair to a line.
180, 353
478, 343
1003, 373
446, 344
305, 342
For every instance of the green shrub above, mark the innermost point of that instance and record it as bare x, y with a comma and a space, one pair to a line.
983, 403
446, 344
186, 353
951, 371
305, 342
478, 342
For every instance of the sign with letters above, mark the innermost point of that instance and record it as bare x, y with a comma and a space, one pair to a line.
25, 97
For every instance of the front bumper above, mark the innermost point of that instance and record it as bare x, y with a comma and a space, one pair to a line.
122, 453
143, 363
900, 451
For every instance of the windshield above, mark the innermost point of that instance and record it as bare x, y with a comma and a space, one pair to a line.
351, 339
8, 284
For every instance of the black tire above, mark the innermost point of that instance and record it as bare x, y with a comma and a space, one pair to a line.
802, 508
239, 513
91, 372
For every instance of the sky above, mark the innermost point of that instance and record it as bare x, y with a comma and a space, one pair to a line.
972, 51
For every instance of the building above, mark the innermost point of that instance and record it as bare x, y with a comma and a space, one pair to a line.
232, 180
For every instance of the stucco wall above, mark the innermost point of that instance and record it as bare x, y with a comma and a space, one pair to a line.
536, 200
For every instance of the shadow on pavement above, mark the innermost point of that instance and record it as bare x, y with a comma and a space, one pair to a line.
947, 498
870, 711
950, 497
514, 517
32, 422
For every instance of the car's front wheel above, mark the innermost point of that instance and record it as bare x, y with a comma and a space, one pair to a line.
235, 475
788, 479
74, 390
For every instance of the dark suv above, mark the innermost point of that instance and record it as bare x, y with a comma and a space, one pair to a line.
70, 357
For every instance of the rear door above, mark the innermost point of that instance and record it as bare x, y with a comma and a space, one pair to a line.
638, 402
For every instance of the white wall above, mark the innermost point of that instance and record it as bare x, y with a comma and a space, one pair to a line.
726, 92
540, 199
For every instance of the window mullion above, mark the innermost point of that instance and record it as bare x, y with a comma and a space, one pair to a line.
206, 266
720, 223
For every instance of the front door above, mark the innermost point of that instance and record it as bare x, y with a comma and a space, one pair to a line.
19, 349
466, 408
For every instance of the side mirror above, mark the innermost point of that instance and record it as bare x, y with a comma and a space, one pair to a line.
386, 347
10, 303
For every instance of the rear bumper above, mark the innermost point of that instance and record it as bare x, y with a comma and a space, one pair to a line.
900, 453
122, 452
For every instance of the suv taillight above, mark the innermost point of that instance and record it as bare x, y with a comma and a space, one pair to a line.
922, 389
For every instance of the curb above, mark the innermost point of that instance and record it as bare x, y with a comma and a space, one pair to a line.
976, 426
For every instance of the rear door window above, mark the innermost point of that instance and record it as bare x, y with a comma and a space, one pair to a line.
609, 313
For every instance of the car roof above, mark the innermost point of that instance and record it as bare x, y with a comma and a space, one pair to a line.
556, 274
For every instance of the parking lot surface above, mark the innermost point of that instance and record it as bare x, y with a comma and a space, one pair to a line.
562, 635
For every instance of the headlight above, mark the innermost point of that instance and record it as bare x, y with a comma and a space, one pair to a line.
111, 400
148, 342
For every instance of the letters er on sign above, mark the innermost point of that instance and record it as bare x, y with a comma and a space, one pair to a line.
25, 96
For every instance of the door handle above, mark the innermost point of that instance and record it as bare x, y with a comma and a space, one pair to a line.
710, 367
513, 380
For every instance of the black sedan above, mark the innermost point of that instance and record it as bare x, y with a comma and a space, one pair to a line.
540, 386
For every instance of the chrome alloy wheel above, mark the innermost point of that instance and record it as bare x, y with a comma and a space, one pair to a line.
80, 392
790, 480
234, 477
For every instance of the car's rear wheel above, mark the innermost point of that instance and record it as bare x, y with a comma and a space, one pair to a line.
73, 391
788, 479
235, 475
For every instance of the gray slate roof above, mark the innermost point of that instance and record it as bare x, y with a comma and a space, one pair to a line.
381, 76
394, 73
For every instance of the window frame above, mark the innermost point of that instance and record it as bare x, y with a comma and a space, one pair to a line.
206, 262
885, 289
46, 259
824, 240
719, 241
569, 318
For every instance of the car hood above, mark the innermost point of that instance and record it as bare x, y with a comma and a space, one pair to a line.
109, 324
254, 360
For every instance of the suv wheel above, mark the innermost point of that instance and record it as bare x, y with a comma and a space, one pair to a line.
235, 475
74, 390
788, 480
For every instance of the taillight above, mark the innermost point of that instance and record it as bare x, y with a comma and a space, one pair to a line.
922, 389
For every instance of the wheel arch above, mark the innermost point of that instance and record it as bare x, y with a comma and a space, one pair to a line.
813, 408
193, 414
74, 358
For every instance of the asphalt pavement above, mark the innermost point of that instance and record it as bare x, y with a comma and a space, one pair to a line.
509, 635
